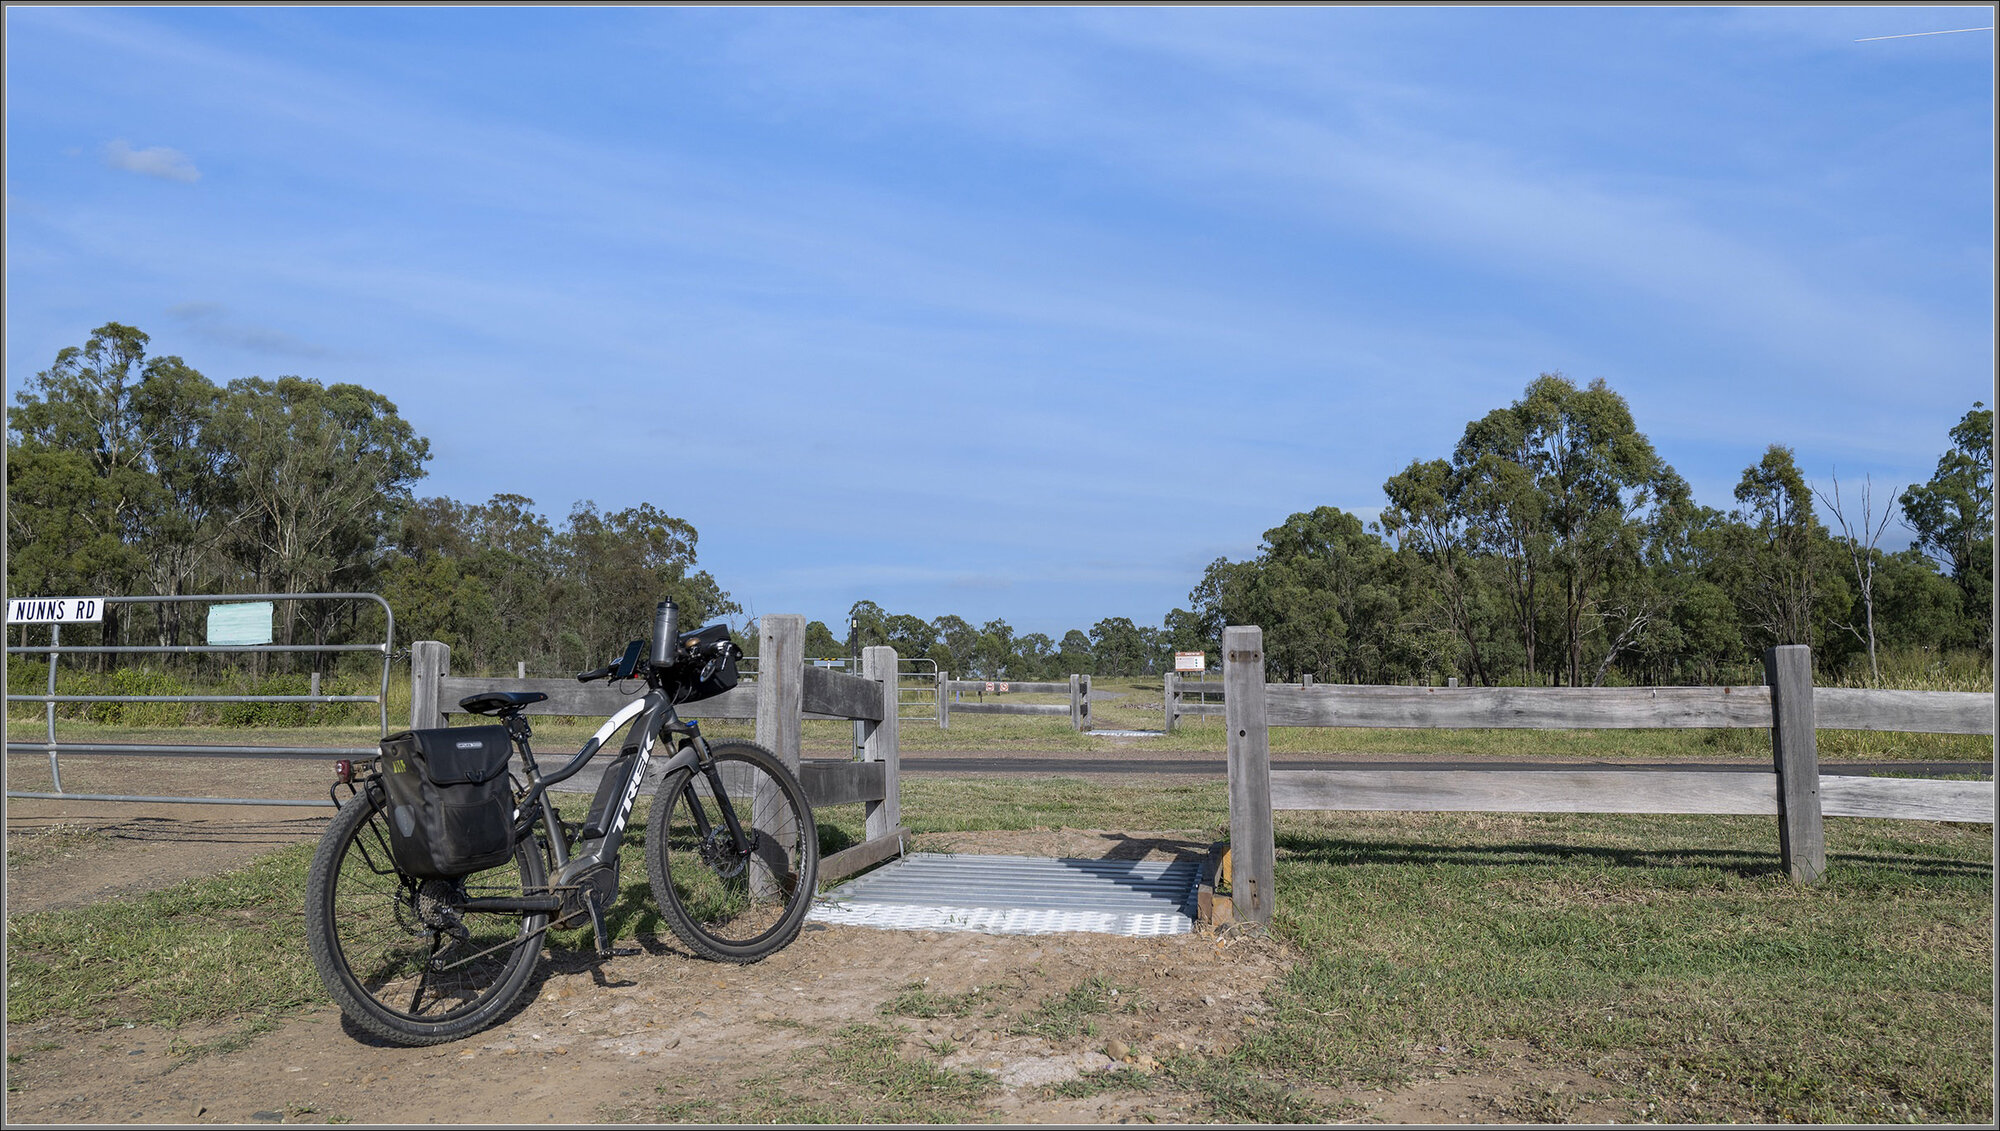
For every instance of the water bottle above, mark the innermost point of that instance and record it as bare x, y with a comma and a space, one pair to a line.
666, 633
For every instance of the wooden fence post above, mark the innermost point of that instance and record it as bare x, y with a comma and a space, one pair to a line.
879, 743
781, 640
1795, 756
944, 699
430, 662
1075, 701
1170, 685
1253, 848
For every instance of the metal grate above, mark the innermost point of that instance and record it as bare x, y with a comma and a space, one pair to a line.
1019, 895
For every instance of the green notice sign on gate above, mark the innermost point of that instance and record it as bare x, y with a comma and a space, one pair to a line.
247, 623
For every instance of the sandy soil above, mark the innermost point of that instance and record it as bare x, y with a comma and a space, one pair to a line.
654, 1034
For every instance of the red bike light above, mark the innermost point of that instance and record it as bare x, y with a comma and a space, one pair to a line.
343, 772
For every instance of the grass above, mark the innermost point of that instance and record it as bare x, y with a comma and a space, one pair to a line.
1666, 955
918, 1001
1070, 1013
858, 1076
226, 947
34, 846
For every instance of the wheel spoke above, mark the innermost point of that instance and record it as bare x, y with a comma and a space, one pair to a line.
724, 903
396, 955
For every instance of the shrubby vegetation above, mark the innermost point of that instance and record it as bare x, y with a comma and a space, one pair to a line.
1553, 545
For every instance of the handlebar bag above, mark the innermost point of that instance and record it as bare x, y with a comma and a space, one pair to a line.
716, 660
451, 806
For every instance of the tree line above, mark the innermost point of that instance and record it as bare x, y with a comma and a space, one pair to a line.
1552, 545
129, 474
1555, 546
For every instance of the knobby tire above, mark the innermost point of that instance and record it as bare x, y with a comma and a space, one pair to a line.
723, 905
393, 955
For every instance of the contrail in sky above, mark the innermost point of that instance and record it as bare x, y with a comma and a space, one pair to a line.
1910, 34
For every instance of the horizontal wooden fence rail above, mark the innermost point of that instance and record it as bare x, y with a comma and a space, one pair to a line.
1787, 703
1078, 690
1185, 698
1590, 708
786, 692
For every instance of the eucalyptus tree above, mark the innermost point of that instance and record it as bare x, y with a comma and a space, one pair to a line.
1119, 647
1779, 558
1033, 657
1952, 516
133, 427
958, 640
198, 500
1434, 535
323, 473
1073, 655
1859, 537
617, 565
995, 650
868, 625
821, 643
1563, 488
911, 636
1183, 631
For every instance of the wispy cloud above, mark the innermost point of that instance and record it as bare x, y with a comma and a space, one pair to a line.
156, 161
211, 320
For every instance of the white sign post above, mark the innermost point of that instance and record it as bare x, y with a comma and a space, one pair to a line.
55, 610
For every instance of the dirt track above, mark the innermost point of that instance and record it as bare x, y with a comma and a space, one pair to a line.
656, 1035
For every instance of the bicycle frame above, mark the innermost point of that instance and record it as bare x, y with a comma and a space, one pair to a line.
650, 717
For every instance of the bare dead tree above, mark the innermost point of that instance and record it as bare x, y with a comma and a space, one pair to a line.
1862, 554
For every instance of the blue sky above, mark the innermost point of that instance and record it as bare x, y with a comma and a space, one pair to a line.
1023, 312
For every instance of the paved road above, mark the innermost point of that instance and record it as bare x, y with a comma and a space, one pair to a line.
918, 764
586, 779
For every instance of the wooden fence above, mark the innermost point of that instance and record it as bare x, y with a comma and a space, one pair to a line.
785, 692
1078, 689
1184, 698
1787, 703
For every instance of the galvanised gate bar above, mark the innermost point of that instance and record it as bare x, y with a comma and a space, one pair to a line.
56, 649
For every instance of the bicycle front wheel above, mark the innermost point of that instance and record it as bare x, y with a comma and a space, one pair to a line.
728, 903
397, 953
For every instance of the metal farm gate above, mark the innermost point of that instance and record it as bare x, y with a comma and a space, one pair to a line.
56, 649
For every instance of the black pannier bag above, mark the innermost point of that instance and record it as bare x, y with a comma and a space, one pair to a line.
451, 806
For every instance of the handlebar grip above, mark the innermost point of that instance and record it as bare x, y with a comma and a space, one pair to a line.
586, 677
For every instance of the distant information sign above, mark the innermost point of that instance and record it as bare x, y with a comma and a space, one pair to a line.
55, 610
246, 623
1190, 661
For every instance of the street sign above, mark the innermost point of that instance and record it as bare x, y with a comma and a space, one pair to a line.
1190, 661
55, 610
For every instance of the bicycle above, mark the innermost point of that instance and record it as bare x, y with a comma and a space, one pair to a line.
417, 955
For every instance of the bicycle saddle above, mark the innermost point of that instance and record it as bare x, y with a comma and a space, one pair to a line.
500, 702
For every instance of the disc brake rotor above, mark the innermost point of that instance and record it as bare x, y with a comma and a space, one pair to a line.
717, 853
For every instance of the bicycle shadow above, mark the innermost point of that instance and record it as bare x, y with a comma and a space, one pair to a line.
632, 917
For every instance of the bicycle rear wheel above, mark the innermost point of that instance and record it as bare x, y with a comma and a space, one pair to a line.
727, 905
395, 953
